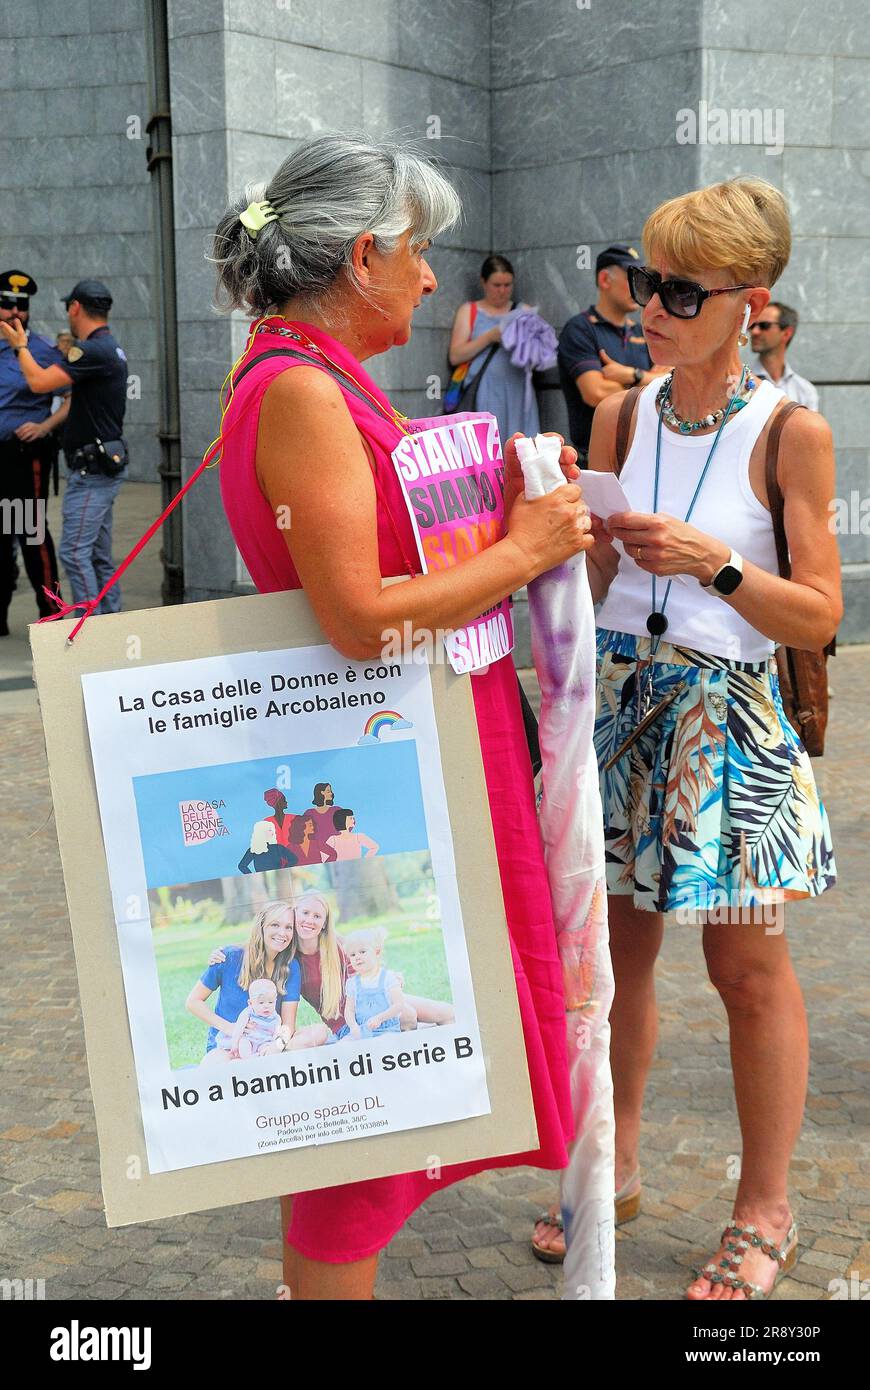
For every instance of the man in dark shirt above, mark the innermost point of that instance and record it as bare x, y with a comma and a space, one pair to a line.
28, 452
602, 350
96, 368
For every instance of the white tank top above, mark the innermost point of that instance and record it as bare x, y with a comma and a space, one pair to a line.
726, 508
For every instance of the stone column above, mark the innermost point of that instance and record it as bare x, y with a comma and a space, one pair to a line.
249, 81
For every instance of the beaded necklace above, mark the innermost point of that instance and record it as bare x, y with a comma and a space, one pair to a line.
740, 398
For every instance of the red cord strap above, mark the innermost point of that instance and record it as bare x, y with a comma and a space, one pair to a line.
211, 456
66, 610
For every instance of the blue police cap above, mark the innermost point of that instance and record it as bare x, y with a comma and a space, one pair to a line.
91, 294
616, 255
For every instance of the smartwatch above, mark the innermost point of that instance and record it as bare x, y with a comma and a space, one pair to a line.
729, 577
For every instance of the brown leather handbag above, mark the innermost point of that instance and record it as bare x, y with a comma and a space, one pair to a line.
803, 676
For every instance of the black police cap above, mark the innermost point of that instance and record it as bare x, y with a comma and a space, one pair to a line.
92, 294
16, 288
618, 254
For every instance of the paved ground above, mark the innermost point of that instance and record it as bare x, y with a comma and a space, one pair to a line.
471, 1241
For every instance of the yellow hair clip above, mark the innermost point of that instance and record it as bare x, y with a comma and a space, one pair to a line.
256, 215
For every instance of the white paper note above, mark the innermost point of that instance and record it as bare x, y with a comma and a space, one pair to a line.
603, 493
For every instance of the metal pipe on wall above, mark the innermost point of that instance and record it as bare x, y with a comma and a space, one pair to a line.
159, 156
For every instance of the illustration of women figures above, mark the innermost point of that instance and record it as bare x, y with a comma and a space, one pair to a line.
349, 842
323, 810
305, 844
264, 852
269, 847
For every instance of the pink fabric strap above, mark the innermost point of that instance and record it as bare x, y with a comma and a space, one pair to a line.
296, 353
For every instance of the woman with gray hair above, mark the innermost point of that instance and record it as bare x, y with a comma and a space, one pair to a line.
330, 257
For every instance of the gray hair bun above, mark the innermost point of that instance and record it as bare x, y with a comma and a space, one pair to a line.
326, 194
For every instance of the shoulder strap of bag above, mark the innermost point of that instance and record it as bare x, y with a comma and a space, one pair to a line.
351, 387
623, 425
775, 499
472, 316
468, 397
309, 361
468, 400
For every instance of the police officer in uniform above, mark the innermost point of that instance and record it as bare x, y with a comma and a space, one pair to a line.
93, 442
28, 452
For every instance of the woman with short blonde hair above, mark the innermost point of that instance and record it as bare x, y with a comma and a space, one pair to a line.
709, 799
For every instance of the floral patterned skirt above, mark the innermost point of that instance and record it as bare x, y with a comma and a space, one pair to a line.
715, 806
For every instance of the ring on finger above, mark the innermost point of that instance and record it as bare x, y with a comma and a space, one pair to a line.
638, 554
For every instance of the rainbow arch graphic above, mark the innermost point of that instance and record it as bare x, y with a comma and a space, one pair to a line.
384, 719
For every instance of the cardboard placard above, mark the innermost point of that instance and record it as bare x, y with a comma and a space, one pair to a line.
261, 624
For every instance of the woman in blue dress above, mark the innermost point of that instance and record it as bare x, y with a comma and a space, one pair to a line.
477, 327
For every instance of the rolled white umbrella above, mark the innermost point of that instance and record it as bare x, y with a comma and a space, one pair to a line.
572, 828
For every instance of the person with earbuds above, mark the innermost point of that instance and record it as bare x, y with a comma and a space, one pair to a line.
710, 806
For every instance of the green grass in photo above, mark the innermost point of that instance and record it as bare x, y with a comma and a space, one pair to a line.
414, 947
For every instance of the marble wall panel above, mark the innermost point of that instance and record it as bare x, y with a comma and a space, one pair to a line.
531, 41
316, 92
789, 26
554, 122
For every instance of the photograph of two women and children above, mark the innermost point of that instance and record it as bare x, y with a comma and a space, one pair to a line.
318, 932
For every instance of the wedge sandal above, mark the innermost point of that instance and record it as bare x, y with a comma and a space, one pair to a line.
627, 1204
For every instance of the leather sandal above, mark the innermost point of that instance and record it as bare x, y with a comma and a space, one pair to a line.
737, 1240
550, 1257
626, 1206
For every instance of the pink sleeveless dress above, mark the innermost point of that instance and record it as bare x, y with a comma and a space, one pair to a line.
351, 1222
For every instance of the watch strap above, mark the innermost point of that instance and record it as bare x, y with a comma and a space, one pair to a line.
734, 562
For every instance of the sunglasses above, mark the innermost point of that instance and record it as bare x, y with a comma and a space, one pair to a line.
682, 298
763, 324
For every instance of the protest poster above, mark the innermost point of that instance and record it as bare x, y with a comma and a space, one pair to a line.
451, 472
201, 741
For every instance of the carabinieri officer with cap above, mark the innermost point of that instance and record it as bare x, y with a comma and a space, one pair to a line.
95, 450
28, 452
602, 350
